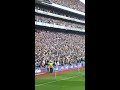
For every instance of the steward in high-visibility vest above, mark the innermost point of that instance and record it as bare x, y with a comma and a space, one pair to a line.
51, 67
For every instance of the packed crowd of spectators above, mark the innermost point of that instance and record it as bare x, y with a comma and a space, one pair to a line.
59, 47
58, 13
74, 4
57, 22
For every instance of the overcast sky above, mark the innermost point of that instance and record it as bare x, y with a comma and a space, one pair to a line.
83, 1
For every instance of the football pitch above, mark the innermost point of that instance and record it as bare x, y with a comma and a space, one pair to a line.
67, 81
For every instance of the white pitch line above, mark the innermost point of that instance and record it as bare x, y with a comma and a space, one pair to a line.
57, 80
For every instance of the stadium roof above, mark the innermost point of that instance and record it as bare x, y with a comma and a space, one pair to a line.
83, 1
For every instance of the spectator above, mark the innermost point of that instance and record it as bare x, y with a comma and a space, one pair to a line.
58, 13
74, 4
58, 46
67, 24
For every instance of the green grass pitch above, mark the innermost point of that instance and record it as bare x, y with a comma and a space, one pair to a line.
67, 81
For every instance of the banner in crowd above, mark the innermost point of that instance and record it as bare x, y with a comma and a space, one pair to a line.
67, 67
37, 70
40, 70
57, 68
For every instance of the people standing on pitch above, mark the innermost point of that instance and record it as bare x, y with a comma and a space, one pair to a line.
51, 66
82, 61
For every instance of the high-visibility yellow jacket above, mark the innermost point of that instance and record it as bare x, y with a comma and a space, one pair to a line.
51, 65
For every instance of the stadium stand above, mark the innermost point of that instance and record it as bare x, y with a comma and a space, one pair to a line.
57, 22
74, 4
57, 12
59, 47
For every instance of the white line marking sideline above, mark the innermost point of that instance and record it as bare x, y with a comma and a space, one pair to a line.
58, 80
